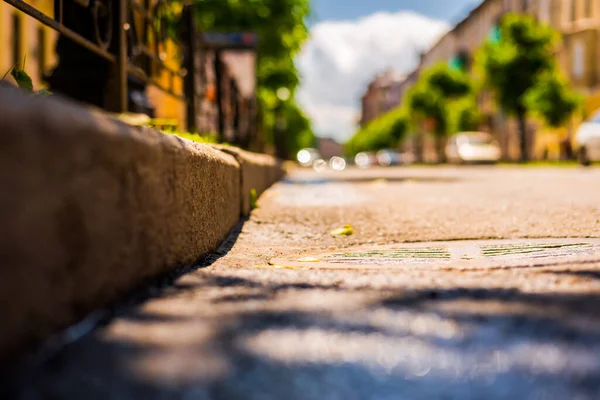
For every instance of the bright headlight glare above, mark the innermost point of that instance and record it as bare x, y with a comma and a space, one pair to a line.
304, 156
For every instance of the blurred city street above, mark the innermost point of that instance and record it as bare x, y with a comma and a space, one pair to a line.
454, 319
300, 199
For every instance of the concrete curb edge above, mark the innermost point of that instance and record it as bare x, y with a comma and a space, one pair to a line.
92, 208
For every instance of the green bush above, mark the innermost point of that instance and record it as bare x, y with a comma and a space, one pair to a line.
387, 131
464, 115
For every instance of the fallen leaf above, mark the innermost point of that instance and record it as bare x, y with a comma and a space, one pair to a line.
309, 259
276, 267
345, 231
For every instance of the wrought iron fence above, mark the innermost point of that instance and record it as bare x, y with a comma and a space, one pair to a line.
122, 45
130, 34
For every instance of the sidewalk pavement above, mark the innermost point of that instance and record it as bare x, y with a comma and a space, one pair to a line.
239, 328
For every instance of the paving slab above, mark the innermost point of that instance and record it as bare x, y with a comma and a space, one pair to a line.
242, 326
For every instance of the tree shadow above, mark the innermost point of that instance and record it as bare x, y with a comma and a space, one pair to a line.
589, 274
545, 318
507, 344
16, 376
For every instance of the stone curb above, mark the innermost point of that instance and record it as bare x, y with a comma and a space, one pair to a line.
257, 172
92, 208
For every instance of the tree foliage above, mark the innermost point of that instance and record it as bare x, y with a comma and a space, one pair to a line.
434, 94
465, 115
450, 83
434, 97
301, 124
514, 63
385, 132
427, 104
280, 24
281, 27
552, 100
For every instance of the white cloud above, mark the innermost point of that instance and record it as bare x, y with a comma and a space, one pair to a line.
341, 58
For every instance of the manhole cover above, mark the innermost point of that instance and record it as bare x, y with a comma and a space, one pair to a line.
459, 254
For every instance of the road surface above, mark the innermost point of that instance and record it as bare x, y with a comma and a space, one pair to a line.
423, 327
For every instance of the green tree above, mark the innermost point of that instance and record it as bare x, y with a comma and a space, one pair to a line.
281, 27
465, 115
513, 64
302, 134
553, 100
386, 131
433, 96
450, 82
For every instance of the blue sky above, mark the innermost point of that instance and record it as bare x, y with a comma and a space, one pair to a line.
352, 41
448, 10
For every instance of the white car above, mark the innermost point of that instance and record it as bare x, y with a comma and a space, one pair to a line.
473, 147
587, 140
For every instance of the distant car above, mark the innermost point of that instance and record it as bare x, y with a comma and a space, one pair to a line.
365, 160
473, 147
387, 157
337, 163
307, 157
587, 140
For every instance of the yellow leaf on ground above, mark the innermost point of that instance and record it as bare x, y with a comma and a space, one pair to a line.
309, 259
345, 231
275, 267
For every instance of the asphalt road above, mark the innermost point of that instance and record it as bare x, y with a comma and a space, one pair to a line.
241, 328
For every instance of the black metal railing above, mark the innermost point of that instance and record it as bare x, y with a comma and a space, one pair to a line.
129, 34
109, 51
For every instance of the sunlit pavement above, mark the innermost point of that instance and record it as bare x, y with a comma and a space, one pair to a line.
244, 328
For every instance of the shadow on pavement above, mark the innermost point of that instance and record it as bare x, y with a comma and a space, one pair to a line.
589, 274
461, 343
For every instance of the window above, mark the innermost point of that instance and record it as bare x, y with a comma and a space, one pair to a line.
545, 10
16, 40
578, 60
478, 140
588, 8
41, 52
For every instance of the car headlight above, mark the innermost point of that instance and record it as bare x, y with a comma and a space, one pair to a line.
304, 157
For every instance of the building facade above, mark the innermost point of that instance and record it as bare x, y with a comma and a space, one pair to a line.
383, 94
329, 148
578, 56
23, 39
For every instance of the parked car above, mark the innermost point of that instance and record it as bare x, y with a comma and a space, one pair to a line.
473, 147
587, 140
365, 160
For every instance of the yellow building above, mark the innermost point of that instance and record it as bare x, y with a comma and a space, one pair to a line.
23, 38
